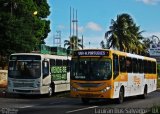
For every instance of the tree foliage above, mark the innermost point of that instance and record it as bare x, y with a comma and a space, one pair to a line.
73, 44
124, 35
21, 30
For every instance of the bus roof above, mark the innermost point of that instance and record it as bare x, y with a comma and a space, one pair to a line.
121, 53
45, 55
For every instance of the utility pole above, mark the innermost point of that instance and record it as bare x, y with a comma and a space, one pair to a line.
73, 26
70, 22
82, 41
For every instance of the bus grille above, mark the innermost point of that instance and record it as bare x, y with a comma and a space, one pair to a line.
90, 84
23, 84
90, 95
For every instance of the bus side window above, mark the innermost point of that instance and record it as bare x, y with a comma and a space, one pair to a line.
66, 65
146, 66
122, 61
140, 64
129, 64
45, 68
149, 67
52, 62
52, 65
115, 65
154, 67
135, 65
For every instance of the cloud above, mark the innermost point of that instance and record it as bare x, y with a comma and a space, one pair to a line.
93, 26
151, 2
150, 34
81, 29
92, 42
89, 26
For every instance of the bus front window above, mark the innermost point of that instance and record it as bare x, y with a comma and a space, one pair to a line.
91, 69
24, 69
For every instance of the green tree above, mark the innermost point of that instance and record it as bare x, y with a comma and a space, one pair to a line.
102, 44
73, 44
118, 35
124, 35
21, 29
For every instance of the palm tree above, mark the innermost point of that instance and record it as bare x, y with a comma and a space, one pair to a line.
119, 35
102, 45
138, 45
73, 44
124, 35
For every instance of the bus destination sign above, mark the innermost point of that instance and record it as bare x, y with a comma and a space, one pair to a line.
91, 53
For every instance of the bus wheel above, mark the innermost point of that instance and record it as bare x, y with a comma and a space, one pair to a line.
121, 96
143, 96
85, 100
50, 91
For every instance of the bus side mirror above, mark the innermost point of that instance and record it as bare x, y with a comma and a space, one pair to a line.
45, 67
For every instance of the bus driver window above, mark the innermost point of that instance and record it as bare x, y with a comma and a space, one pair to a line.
45, 68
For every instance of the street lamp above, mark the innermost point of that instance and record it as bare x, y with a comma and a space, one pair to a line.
35, 13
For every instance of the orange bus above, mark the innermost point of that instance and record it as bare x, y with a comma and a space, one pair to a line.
102, 73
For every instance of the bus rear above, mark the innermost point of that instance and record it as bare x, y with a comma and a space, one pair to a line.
91, 74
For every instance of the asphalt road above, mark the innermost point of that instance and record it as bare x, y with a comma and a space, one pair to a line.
66, 105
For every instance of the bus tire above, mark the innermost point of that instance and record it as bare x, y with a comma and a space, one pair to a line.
143, 96
121, 96
85, 100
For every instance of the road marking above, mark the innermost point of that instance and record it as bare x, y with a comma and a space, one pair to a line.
27, 106
56, 103
81, 109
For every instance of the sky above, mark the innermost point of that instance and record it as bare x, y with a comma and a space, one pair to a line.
94, 18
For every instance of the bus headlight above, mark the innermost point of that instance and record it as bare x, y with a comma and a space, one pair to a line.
106, 89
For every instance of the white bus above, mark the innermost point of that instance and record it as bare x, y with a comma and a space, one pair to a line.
31, 73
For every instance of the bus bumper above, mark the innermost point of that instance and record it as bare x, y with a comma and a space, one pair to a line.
84, 94
24, 91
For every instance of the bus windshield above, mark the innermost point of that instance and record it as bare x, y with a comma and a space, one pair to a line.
24, 69
91, 69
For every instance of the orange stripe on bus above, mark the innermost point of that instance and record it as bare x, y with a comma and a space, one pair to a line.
122, 77
150, 76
